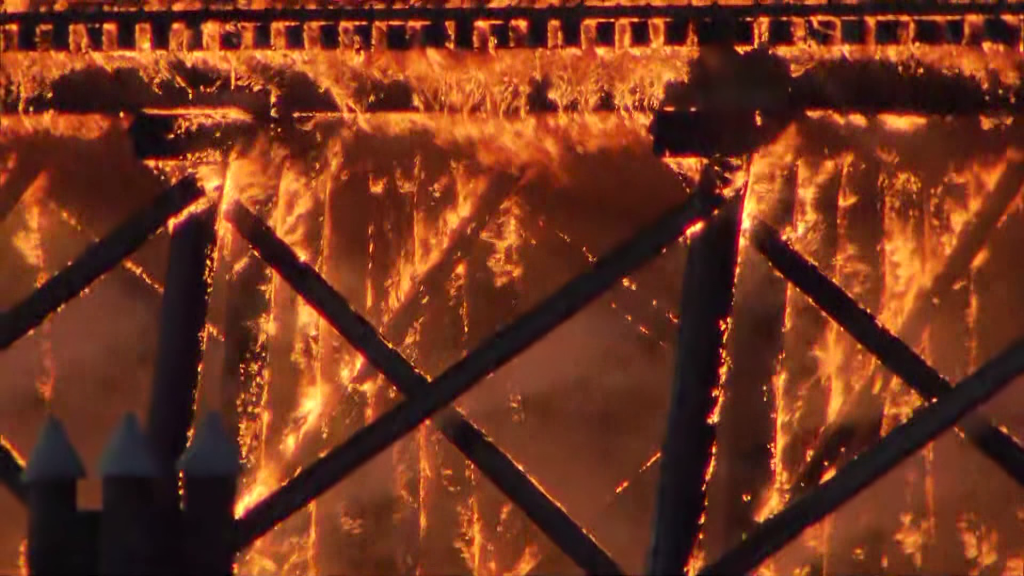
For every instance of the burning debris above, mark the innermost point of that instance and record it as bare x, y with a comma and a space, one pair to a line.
440, 173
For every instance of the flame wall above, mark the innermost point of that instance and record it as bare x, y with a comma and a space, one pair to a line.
375, 201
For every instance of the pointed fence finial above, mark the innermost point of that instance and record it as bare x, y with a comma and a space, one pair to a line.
53, 458
128, 454
213, 452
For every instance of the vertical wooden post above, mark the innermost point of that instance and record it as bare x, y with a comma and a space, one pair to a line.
686, 453
51, 476
999, 319
130, 474
747, 428
211, 466
176, 378
180, 350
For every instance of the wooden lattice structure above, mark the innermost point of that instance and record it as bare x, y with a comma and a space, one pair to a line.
710, 218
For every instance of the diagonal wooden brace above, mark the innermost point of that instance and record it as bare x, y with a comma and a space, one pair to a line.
892, 352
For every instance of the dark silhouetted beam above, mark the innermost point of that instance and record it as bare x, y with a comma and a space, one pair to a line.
706, 302
98, 259
180, 345
923, 427
471, 441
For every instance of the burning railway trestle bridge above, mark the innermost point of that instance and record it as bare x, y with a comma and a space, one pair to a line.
143, 495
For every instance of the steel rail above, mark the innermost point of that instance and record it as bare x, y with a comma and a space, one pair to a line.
11, 468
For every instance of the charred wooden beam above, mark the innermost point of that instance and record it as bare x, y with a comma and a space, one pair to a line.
180, 348
892, 352
852, 433
179, 355
755, 124
11, 469
491, 355
706, 303
361, 14
96, 260
923, 427
755, 117
746, 429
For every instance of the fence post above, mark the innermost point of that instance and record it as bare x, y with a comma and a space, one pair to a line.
52, 475
211, 466
130, 474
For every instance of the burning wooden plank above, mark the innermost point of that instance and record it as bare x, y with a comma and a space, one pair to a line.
468, 438
949, 345
970, 241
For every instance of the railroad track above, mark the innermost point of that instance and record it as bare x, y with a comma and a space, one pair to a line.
403, 28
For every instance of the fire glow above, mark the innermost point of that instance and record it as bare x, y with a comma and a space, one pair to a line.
444, 192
